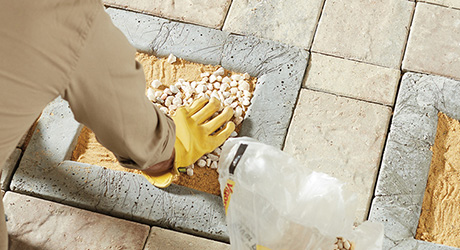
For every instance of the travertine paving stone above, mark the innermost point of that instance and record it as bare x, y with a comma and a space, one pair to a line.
209, 13
341, 137
162, 239
39, 224
289, 21
162, 37
448, 3
280, 70
358, 80
8, 168
370, 31
433, 45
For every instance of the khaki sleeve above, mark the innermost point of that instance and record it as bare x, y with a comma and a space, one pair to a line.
107, 94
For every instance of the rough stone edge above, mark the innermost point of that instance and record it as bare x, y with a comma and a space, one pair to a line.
45, 173
280, 70
9, 167
438, 104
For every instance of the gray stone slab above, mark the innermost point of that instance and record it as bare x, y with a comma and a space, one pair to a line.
280, 70
8, 168
400, 215
162, 37
39, 224
44, 172
407, 155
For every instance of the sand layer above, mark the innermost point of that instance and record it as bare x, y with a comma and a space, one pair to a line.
88, 150
440, 217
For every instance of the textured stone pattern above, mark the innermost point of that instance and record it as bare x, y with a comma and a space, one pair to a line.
352, 79
448, 3
209, 13
433, 46
289, 21
341, 137
162, 37
369, 31
407, 156
280, 70
8, 168
38, 224
162, 239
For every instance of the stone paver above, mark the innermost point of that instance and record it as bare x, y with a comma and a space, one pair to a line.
406, 160
370, 31
162, 37
162, 239
280, 70
448, 3
341, 137
433, 45
209, 13
353, 79
39, 224
8, 168
289, 21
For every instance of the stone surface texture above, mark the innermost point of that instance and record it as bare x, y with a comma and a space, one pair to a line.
8, 168
369, 31
162, 239
39, 224
433, 46
162, 37
407, 157
341, 137
209, 13
448, 3
352, 79
280, 70
289, 21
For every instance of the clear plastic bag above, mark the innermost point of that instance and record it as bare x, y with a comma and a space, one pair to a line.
273, 202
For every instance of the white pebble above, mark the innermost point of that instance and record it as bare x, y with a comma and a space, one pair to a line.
201, 88
246, 76
165, 110
234, 91
214, 165
159, 100
233, 83
212, 78
236, 77
234, 134
174, 89
229, 101
217, 85
156, 84
213, 157
164, 96
238, 120
205, 74
201, 163
205, 79
215, 95
221, 96
190, 171
238, 112
177, 101
158, 94
208, 162
169, 100
179, 95
172, 107
346, 244
234, 105
219, 78
243, 85
239, 94
210, 86
247, 93
226, 80
171, 58
224, 86
193, 84
218, 151
178, 85
168, 91
226, 94
208, 92
219, 72
151, 94
246, 102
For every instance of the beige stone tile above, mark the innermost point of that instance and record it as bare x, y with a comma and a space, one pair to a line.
341, 137
434, 41
39, 224
210, 13
288, 21
369, 31
354, 79
448, 3
162, 239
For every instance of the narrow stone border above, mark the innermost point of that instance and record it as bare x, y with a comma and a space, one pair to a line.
8, 168
46, 172
407, 157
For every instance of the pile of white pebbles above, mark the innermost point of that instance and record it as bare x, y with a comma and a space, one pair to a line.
232, 90
343, 244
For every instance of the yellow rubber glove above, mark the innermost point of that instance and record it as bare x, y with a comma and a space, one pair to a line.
194, 135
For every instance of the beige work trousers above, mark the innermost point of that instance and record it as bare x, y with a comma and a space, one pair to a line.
71, 48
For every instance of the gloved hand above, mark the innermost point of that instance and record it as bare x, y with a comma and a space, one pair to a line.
193, 135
